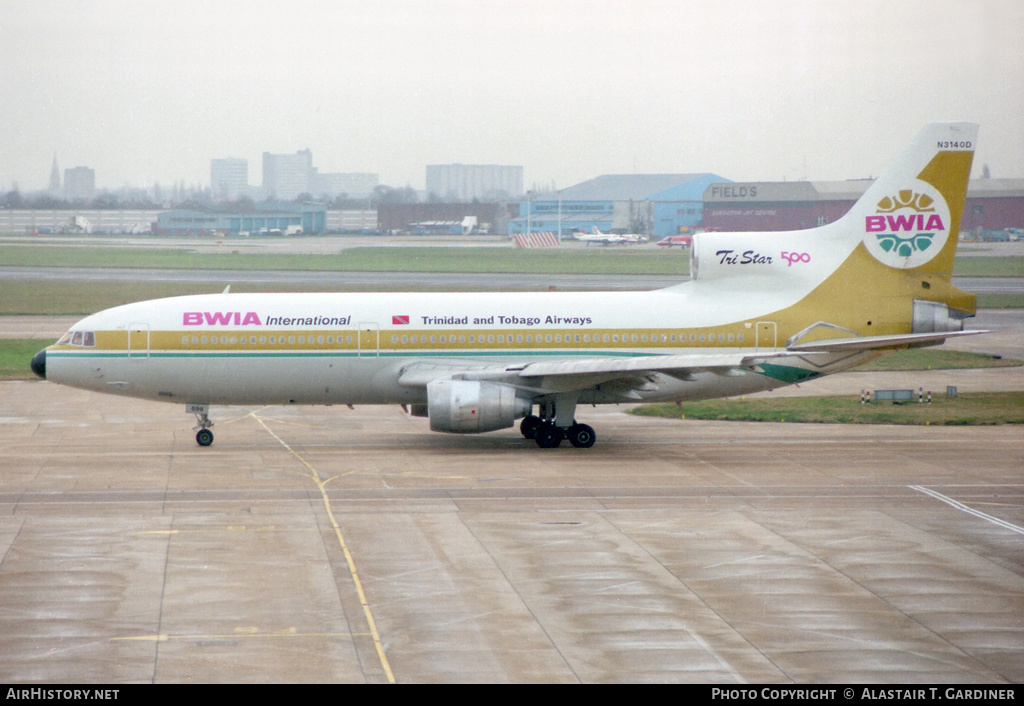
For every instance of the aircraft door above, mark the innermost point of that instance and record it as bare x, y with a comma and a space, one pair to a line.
138, 341
766, 335
369, 340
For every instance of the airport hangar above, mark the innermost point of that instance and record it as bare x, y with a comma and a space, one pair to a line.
992, 205
660, 205
657, 205
268, 217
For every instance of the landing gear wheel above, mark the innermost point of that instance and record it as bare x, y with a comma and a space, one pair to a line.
548, 436
528, 427
581, 436
204, 437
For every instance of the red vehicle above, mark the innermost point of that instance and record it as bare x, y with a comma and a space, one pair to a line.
683, 241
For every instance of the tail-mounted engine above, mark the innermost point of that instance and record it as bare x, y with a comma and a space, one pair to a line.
472, 406
936, 317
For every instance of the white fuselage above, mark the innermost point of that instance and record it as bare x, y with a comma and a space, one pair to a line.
352, 348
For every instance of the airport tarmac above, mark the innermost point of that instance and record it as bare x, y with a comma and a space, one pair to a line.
321, 544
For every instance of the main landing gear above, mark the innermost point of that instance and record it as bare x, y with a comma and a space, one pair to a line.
204, 437
556, 423
549, 435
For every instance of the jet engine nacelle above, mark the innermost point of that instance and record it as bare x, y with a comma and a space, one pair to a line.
936, 317
472, 406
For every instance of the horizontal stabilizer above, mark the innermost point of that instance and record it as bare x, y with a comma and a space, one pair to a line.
868, 343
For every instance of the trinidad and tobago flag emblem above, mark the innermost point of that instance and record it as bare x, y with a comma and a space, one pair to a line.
400, 320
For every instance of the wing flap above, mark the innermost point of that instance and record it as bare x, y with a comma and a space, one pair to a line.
679, 365
419, 373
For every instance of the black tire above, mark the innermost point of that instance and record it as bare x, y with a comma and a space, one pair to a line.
581, 436
528, 427
204, 437
549, 436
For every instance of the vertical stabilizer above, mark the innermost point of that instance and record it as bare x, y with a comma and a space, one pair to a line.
905, 230
910, 217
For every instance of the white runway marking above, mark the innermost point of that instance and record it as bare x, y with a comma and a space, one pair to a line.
970, 511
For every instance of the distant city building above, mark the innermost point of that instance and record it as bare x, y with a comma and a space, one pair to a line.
355, 185
79, 183
466, 182
229, 177
285, 176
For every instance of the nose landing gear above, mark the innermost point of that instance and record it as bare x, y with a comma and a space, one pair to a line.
204, 437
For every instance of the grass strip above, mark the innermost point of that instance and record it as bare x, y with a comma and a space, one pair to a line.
565, 260
573, 260
15, 356
935, 359
968, 409
1010, 266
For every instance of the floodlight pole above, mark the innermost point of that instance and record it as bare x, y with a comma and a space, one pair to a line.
559, 215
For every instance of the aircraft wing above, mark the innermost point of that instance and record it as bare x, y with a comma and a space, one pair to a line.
632, 373
582, 373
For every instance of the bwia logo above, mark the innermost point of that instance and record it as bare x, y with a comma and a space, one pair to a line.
220, 318
909, 227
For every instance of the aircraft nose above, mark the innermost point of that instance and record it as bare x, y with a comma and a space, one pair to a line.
39, 364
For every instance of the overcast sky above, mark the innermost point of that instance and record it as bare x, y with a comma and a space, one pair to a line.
146, 91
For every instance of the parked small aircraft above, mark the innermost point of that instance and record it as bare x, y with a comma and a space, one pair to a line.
682, 241
602, 238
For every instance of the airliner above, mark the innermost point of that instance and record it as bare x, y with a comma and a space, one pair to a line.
761, 310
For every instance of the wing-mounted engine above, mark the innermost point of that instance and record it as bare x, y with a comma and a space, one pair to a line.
473, 406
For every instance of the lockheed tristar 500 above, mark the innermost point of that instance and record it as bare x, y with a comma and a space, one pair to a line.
762, 310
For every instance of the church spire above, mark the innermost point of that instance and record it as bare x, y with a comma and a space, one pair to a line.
55, 178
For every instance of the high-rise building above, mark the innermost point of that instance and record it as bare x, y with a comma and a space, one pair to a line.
355, 185
79, 183
229, 177
465, 182
285, 176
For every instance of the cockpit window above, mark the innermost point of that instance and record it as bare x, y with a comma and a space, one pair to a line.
85, 339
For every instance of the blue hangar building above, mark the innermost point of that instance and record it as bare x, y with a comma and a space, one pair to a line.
655, 205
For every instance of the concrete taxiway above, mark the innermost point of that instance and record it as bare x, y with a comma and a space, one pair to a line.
328, 544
